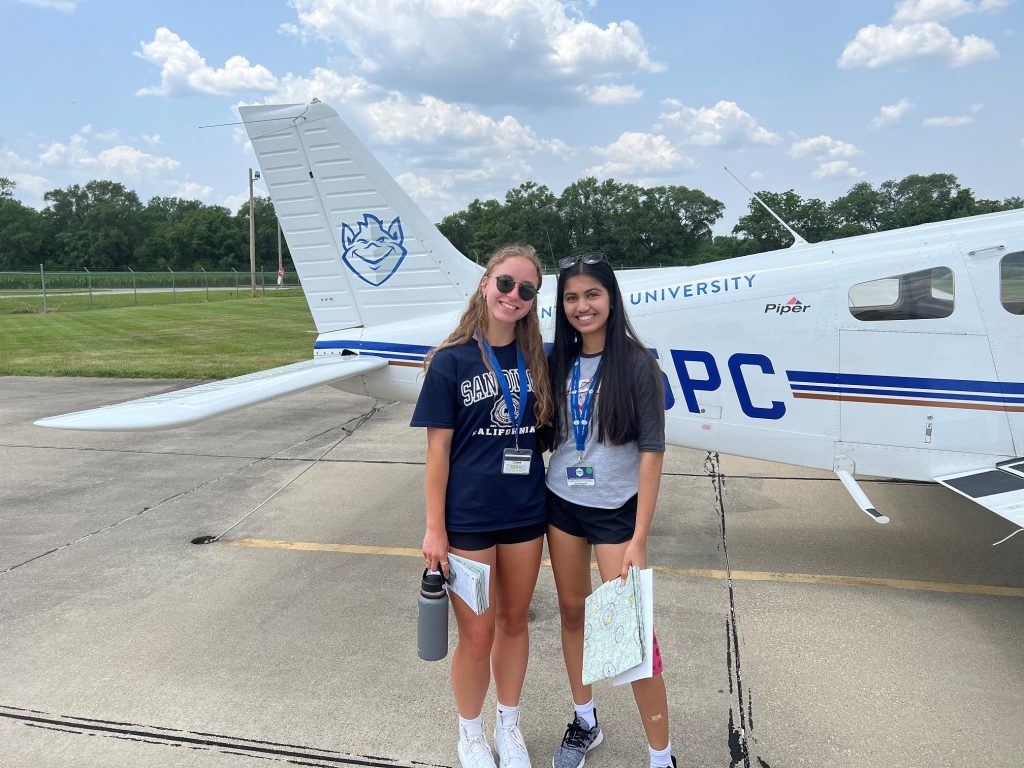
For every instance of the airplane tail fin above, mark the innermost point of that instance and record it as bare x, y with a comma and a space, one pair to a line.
364, 251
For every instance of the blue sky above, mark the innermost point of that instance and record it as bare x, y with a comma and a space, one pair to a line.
466, 98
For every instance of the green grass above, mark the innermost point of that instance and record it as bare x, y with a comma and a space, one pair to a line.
212, 340
29, 302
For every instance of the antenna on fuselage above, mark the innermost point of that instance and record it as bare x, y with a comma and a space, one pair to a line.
797, 240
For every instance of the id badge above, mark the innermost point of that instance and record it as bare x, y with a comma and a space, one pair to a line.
580, 477
516, 461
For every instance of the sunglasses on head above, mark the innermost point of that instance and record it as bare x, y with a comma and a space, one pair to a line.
587, 258
506, 283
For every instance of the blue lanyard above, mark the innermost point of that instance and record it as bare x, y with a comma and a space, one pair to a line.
515, 408
581, 413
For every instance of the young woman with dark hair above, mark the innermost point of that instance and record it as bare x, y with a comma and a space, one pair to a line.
484, 395
603, 479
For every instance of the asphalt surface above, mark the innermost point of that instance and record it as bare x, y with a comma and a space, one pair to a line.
291, 639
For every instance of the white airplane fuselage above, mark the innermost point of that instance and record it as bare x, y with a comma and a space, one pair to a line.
762, 356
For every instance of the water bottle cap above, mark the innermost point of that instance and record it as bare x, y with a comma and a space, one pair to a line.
432, 584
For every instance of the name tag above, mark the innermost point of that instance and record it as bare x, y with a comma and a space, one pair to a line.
580, 476
516, 461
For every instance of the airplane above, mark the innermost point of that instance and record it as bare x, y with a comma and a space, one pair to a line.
893, 354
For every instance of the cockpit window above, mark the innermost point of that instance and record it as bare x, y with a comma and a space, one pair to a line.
1011, 282
924, 295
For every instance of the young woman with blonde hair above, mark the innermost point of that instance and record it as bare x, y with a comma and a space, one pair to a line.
485, 496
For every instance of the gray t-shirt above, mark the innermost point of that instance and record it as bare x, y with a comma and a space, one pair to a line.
616, 467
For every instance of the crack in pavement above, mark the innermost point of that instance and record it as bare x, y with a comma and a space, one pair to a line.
349, 428
741, 715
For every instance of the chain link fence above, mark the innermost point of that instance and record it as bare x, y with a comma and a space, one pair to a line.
50, 291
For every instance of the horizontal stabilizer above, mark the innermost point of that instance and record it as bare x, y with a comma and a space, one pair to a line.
999, 489
187, 406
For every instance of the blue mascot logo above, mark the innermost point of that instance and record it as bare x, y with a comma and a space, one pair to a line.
372, 251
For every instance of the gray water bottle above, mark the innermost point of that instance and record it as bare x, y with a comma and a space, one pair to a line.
432, 624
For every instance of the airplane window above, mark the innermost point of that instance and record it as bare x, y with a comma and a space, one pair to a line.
1011, 282
924, 295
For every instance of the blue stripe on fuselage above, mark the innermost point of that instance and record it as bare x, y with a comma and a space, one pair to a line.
908, 393
956, 385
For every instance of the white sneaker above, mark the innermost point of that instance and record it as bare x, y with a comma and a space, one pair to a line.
508, 741
474, 752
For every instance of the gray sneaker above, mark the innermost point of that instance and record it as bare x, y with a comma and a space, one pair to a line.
578, 740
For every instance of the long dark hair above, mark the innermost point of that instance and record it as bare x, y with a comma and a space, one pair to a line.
618, 408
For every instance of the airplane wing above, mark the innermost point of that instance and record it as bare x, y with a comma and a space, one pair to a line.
187, 406
999, 488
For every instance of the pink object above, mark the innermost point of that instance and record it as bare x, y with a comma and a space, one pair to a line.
656, 661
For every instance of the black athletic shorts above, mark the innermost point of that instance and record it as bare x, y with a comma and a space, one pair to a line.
598, 526
477, 540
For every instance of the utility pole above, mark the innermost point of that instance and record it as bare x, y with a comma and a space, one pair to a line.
280, 264
252, 235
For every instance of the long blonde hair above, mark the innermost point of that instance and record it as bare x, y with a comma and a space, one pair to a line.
473, 324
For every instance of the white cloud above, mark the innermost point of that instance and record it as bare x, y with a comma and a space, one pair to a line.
424, 188
891, 114
11, 161
67, 6
184, 71
30, 185
831, 155
635, 153
912, 11
20, 171
152, 139
119, 161
836, 168
323, 84
824, 147
876, 46
611, 94
234, 202
584, 48
724, 125
191, 190
948, 121
433, 121
477, 50
73, 154
133, 162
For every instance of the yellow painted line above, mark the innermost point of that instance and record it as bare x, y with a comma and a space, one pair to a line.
847, 581
306, 546
699, 573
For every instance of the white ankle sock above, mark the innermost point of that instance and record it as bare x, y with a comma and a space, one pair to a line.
471, 727
586, 713
660, 758
508, 716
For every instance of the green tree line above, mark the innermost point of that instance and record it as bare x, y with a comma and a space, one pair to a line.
104, 226
651, 226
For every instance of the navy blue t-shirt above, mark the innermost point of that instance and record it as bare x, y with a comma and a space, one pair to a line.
460, 394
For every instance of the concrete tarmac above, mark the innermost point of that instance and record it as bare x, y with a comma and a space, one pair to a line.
795, 631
